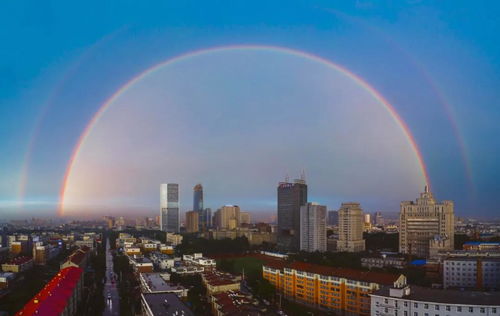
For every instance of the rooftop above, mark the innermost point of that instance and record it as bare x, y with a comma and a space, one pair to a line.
425, 294
234, 302
19, 260
52, 299
156, 283
351, 274
162, 304
215, 278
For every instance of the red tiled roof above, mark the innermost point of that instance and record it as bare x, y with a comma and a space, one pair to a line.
52, 299
352, 274
77, 257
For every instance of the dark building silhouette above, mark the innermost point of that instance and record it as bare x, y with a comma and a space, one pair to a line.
198, 206
333, 218
291, 196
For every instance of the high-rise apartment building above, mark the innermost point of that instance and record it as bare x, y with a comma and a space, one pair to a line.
227, 217
313, 227
192, 218
351, 224
291, 196
244, 218
169, 207
424, 221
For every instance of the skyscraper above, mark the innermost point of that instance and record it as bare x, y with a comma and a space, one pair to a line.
313, 227
424, 222
192, 222
291, 196
351, 224
198, 206
169, 207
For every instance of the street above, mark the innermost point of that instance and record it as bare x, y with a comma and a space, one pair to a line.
110, 289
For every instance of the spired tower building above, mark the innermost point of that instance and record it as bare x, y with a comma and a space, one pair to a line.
169, 207
426, 223
291, 196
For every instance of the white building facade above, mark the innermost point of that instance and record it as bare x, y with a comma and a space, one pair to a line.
313, 227
419, 301
169, 208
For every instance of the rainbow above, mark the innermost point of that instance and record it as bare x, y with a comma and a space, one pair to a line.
360, 81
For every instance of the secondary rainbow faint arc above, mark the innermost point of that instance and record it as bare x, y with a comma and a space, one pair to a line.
360, 81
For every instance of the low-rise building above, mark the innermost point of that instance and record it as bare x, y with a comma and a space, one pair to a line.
217, 282
235, 303
323, 287
160, 304
132, 251
60, 296
141, 264
17, 265
79, 258
383, 262
159, 283
43, 253
166, 249
174, 239
470, 272
187, 269
199, 260
5, 279
420, 301
481, 246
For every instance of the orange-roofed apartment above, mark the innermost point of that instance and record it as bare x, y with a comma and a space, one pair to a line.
60, 296
328, 288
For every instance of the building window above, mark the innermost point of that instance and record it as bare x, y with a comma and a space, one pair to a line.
415, 314
471, 309
415, 305
436, 307
426, 306
448, 308
481, 310
459, 308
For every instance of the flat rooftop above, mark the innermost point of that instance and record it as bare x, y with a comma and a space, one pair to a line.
156, 283
425, 294
163, 304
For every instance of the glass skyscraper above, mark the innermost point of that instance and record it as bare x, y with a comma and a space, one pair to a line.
291, 196
169, 207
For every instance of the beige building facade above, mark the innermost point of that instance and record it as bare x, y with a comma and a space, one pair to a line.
426, 224
351, 226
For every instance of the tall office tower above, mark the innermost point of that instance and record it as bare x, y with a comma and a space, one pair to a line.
423, 222
192, 218
244, 218
379, 219
351, 223
291, 196
333, 218
169, 207
198, 205
313, 227
207, 217
227, 217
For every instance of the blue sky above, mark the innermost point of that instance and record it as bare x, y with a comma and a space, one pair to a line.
60, 61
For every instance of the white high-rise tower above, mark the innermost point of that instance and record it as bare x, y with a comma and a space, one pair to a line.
169, 207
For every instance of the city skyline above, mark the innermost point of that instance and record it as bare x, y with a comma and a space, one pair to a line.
354, 93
